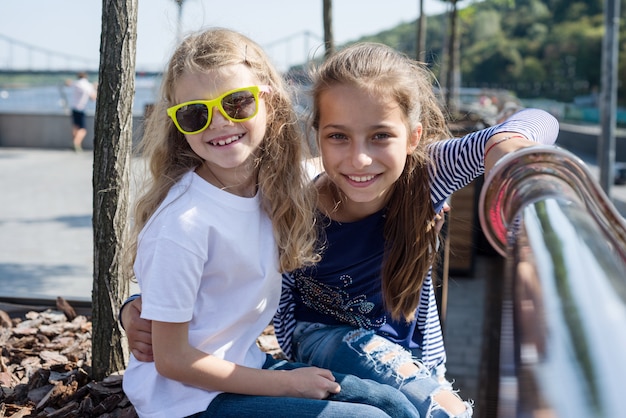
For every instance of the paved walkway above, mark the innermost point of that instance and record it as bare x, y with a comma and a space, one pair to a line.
45, 224
46, 237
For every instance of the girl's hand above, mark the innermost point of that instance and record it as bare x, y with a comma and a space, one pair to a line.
440, 218
311, 383
138, 331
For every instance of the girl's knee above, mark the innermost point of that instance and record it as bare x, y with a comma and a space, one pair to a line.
383, 351
447, 403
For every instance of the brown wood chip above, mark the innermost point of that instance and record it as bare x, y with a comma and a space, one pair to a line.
44, 369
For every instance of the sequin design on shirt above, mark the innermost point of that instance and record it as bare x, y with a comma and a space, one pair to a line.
337, 303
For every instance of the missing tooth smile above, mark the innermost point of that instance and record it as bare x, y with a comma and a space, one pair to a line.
226, 141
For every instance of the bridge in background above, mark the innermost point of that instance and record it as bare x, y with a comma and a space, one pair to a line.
292, 50
40, 59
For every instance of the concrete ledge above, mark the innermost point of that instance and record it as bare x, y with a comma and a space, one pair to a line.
583, 140
50, 131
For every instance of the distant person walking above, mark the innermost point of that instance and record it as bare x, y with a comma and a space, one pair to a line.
82, 92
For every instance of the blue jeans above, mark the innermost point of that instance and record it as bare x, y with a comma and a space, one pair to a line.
358, 397
364, 353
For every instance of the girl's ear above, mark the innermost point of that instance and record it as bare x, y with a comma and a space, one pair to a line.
414, 138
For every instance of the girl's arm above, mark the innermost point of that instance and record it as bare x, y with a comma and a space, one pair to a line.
456, 162
284, 320
501, 144
176, 359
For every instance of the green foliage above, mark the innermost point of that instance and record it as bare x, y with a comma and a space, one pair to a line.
566, 10
547, 48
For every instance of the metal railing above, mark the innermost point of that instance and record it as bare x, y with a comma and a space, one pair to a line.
563, 325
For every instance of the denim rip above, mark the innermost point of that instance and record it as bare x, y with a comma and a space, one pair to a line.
390, 362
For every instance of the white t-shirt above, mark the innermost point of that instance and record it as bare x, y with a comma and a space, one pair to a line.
208, 257
82, 91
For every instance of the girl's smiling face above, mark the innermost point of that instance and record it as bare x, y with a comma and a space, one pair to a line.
227, 147
364, 142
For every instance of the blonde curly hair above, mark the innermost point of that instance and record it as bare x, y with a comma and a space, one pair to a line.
286, 194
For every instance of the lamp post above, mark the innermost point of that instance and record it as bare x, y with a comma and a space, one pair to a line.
179, 29
608, 94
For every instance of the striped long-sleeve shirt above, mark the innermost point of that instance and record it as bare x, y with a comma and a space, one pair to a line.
344, 287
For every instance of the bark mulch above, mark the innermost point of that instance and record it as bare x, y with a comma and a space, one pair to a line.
45, 365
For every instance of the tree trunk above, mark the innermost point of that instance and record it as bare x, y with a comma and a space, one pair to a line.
420, 45
445, 59
329, 42
453, 75
111, 174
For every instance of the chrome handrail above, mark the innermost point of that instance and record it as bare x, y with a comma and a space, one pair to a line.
563, 332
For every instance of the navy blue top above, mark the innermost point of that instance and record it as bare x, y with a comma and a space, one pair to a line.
345, 286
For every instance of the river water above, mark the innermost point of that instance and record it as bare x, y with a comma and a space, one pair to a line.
53, 99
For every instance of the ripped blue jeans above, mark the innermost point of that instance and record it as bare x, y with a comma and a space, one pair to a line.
361, 352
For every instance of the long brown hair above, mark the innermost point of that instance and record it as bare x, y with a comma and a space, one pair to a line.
410, 241
287, 197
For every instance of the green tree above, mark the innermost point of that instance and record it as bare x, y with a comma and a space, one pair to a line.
573, 51
568, 11
548, 48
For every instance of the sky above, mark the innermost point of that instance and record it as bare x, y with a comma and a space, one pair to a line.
289, 30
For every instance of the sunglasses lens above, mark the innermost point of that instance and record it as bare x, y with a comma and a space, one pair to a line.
192, 117
240, 105
237, 106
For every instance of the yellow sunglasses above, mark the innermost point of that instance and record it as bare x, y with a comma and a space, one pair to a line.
237, 105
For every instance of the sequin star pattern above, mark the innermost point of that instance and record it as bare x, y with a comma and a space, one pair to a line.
337, 303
